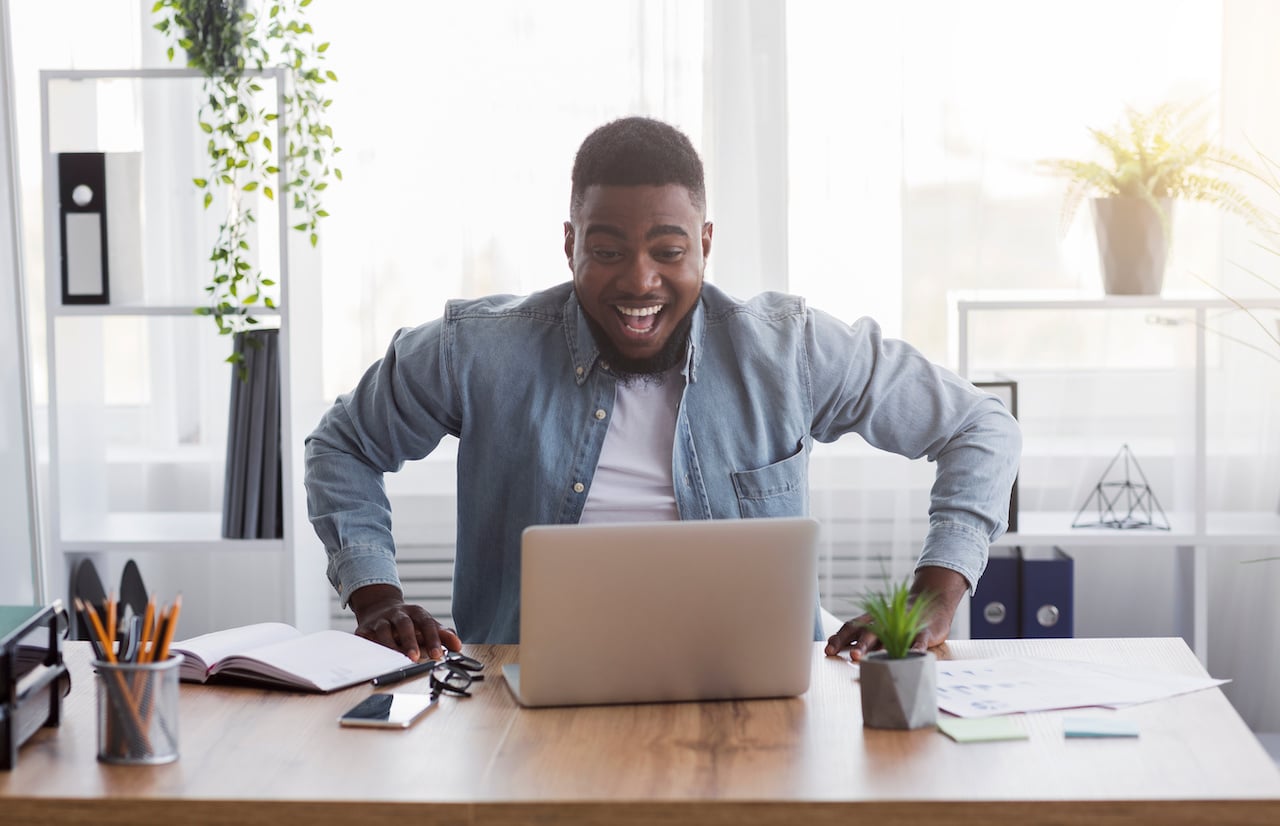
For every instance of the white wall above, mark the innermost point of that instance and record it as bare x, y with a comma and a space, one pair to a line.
17, 524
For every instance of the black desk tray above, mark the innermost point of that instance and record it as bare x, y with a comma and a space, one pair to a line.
33, 676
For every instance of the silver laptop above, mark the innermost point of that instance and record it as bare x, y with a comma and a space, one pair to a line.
666, 611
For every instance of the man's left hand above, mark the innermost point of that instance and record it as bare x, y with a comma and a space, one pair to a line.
947, 588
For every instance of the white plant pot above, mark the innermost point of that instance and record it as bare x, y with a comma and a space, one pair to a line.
899, 694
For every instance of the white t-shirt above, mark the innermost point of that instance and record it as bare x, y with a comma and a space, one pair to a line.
633, 479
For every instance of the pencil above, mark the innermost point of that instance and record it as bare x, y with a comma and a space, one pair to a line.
163, 653
144, 656
110, 611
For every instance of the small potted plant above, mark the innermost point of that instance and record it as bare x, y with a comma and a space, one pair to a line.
899, 686
1149, 160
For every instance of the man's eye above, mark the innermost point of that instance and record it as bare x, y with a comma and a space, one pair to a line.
606, 254
669, 254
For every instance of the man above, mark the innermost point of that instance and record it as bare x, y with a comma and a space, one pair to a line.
638, 392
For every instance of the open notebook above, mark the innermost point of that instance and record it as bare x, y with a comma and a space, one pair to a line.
279, 655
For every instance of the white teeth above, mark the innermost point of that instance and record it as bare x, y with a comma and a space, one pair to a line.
640, 311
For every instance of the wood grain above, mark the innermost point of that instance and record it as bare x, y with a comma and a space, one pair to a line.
253, 756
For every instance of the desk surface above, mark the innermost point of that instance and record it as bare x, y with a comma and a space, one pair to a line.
805, 759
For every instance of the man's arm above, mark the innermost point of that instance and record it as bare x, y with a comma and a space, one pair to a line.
399, 411
886, 391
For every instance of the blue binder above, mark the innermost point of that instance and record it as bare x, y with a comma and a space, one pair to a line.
1048, 594
995, 610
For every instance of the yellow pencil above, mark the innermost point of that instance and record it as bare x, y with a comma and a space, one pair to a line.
143, 655
110, 610
163, 653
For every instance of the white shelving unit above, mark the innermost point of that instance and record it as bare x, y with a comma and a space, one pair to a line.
115, 453
1194, 528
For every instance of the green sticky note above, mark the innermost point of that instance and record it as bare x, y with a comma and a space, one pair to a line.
1098, 727
982, 729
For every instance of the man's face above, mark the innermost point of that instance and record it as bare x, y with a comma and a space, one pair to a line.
638, 254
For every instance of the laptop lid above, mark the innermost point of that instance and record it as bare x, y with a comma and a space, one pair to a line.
666, 611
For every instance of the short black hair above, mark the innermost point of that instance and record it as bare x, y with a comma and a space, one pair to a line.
637, 151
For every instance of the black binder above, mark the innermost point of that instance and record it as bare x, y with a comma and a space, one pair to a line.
82, 223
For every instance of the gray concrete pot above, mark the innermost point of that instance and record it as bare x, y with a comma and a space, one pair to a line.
1132, 246
901, 694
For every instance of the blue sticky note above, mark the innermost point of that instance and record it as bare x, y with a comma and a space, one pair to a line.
1098, 727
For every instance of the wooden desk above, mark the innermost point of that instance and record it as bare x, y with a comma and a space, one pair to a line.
265, 757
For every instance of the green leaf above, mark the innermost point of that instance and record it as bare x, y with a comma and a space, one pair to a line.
267, 282
271, 170
200, 182
208, 199
314, 239
321, 186
253, 136
322, 48
304, 3
185, 43
158, 6
329, 73
270, 116
244, 245
250, 187
300, 226
267, 143
321, 213
206, 127
338, 173
270, 303
169, 53
269, 192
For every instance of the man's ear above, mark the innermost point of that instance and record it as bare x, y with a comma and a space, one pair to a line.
568, 243
707, 230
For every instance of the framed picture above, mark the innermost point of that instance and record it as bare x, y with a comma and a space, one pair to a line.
1006, 392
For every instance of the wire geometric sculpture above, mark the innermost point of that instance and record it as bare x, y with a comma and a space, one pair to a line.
1123, 505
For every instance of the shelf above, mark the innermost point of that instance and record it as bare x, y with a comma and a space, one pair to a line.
155, 531
1075, 300
182, 311
1222, 528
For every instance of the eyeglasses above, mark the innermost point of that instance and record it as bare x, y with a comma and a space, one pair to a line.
455, 674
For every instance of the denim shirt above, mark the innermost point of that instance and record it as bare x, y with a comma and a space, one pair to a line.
519, 381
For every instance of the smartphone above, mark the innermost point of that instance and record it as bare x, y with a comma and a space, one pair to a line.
387, 710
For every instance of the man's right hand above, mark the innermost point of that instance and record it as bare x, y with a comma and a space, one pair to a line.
384, 617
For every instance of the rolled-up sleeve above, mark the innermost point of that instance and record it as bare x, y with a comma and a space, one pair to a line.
400, 410
889, 393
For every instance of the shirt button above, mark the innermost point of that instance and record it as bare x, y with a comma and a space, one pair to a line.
600, 414
578, 487
604, 364
579, 371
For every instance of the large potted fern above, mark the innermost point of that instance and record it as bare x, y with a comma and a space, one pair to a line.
1149, 160
899, 686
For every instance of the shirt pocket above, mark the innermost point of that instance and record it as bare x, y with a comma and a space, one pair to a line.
779, 489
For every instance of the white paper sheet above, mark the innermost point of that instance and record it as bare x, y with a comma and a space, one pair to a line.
986, 687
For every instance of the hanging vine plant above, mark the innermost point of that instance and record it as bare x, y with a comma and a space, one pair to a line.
227, 42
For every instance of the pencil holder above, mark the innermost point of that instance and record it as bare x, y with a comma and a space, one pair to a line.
138, 711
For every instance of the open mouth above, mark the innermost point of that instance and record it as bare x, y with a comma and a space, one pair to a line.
640, 320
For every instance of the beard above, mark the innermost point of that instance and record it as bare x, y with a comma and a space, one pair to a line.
652, 369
